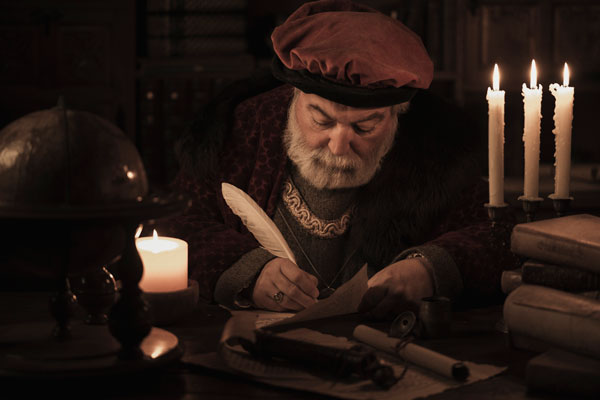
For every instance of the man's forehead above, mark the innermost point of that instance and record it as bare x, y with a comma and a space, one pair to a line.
331, 107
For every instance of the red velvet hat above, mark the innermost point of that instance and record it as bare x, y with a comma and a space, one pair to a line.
350, 54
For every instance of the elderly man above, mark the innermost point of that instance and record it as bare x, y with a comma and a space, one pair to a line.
356, 163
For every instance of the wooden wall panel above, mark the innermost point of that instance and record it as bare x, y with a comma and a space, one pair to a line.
508, 33
577, 38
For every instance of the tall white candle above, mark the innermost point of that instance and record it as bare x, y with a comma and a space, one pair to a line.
532, 98
495, 98
165, 263
563, 120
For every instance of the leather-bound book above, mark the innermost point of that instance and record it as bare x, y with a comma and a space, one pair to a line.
573, 241
569, 279
511, 280
539, 318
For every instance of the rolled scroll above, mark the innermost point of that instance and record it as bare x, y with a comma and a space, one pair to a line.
555, 318
413, 353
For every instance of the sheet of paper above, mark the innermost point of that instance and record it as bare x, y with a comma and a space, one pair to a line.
416, 383
344, 300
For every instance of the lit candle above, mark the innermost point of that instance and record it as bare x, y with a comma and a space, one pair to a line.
165, 263
532, 97
495, 98
563, 119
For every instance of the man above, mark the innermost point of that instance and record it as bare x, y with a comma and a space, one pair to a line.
355, 162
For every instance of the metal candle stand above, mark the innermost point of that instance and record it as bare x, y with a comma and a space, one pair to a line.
561, 205
500, 231
497, 213
530, 206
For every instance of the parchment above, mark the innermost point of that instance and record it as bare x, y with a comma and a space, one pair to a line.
344, 300
416, 382
419, 355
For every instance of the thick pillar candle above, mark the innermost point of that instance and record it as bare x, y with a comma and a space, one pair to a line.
563, 124
532, 99
165, 263
495, 98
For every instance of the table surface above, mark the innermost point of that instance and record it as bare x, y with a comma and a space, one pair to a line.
474, 337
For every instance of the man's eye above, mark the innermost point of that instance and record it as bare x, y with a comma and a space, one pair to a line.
323, 124
360, 130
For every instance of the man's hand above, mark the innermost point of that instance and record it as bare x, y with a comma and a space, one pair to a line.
299, 288
396, 288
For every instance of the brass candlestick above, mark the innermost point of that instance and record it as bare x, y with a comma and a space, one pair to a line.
530, 206
500, 231
496, 213
561, 205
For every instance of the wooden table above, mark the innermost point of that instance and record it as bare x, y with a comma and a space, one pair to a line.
474, 337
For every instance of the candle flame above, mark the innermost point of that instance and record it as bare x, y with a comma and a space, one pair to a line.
138, 231
566, 75
533, 81
496, 78
159, 350
157, 244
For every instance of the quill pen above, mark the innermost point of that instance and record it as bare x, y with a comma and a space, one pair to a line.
257, 221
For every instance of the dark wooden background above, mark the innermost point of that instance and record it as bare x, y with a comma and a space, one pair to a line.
150, 65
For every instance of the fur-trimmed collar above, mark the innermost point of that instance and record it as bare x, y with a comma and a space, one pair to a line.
434, 159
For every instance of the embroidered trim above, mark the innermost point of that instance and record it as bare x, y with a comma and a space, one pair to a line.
324, 228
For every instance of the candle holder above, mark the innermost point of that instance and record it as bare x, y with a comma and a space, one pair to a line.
530, 206
496, 213
500, 230
561, 205
167, 308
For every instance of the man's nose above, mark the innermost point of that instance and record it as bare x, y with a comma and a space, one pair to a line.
339, 140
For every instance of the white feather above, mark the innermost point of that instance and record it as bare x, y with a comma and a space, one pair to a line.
257, 221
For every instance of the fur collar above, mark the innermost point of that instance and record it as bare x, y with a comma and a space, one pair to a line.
434, 159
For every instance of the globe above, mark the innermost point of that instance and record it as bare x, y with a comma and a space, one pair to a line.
68, 181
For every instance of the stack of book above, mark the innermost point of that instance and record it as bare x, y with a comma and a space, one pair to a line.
553, 303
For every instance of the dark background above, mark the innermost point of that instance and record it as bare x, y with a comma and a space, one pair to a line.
150, 65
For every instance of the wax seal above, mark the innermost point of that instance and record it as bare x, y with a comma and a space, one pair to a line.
403, 324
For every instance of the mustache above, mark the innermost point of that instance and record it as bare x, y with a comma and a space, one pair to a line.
339, 169
342, 164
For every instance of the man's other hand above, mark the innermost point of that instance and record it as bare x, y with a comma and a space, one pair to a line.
299, 288
396, 288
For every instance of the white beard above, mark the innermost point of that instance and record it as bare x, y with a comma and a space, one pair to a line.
328, 171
